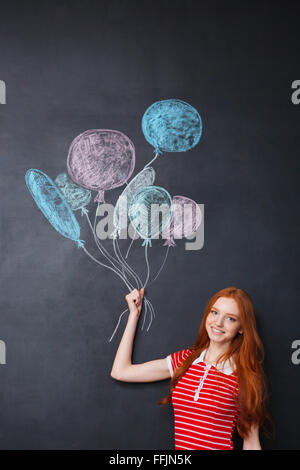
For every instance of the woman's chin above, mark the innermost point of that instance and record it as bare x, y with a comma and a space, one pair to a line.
216, 339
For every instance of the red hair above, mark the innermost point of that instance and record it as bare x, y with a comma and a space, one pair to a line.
247, 353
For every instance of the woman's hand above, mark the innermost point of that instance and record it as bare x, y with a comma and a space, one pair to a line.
123, 369
135, 300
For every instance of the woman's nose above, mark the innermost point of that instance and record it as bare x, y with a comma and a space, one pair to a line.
219, 321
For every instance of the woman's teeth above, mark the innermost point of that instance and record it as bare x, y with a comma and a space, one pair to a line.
216, 332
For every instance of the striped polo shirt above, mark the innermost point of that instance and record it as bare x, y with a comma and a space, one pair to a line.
205, 410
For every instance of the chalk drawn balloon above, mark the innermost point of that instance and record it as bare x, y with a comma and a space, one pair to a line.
53, 205
145, 178
186, 218
143, 212
76, 196
101, 159
172, 126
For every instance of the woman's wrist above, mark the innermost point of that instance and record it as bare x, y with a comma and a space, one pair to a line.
133, 316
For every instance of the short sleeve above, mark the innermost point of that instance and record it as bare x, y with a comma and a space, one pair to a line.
174, 360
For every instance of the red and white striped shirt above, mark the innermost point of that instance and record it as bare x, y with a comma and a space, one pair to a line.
205, 410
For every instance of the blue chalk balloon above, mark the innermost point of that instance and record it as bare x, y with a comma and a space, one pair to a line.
53, 205
172, 126
143, 211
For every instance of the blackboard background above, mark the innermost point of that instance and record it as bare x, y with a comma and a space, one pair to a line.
72, 66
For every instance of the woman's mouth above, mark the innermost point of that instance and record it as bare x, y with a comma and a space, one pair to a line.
216, 331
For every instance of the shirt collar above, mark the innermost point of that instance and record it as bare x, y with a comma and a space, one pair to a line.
223, 367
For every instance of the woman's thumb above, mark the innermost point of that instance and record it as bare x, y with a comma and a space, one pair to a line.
142, 292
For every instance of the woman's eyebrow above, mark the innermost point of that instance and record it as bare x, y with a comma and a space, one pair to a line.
230, 314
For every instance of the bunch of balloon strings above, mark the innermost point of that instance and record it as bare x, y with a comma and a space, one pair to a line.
102, 159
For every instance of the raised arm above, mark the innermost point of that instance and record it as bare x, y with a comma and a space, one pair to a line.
123, 369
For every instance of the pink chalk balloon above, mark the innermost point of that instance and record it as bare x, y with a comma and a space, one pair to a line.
101, 159
186, 218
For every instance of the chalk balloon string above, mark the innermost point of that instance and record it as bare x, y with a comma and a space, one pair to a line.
118, 324
119, 273
120, 261
147, 302
108, 257
155, 157
125, 264
106, 266
127, 253
104, 251
147, 263
161, 268
119, 258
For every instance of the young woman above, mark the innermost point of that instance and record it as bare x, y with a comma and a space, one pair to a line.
217, 384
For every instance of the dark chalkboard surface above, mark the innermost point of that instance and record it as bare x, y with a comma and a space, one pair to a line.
73, 66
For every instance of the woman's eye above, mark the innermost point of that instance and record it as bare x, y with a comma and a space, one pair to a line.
231, 318
214, 312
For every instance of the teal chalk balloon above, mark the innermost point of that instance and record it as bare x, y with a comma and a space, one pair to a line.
172, 126
75, 195
143, 211
53, 205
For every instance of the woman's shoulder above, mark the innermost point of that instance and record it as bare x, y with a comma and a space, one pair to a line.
179, 356
186, 352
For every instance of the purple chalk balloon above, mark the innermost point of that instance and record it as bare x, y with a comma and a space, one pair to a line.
186, 218
101, 159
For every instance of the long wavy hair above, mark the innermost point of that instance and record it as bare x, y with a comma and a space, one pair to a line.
246, 352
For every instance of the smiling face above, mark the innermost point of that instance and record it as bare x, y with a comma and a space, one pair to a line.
223, 321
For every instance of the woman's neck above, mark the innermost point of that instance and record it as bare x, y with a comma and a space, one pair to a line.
214, 351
